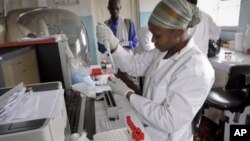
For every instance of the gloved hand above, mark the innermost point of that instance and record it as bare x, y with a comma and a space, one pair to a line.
101, 48
118, 86
124, 43
104, 34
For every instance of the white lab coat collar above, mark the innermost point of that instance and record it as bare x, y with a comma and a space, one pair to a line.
189, 45
175, 57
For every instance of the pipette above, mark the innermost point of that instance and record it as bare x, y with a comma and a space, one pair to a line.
106, 43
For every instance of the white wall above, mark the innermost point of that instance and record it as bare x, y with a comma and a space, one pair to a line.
145, 8
147, 5
84, 8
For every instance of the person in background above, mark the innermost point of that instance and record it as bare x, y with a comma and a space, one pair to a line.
124, 31
206, 30
145, 43
178, 77
122, 28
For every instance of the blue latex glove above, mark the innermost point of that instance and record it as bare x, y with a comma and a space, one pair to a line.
101, 48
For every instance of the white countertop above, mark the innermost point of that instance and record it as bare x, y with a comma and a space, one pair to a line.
222, 63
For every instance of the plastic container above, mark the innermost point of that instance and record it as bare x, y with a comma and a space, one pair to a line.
246, 44
232, 45
239, 38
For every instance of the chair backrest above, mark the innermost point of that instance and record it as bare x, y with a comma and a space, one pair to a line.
238, 77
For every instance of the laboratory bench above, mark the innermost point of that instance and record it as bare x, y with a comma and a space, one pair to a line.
228, 57
91, 116
223, 61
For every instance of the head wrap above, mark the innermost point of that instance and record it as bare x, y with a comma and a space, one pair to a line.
175, 14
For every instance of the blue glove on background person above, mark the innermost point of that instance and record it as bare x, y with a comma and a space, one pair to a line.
101, 48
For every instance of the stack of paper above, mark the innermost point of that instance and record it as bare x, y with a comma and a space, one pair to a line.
20, 105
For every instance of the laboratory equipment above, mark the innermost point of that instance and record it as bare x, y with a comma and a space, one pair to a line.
246, 44
45, 129
35, 23
41, 22
110, 104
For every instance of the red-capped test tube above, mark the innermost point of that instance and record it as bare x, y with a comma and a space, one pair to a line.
136, 132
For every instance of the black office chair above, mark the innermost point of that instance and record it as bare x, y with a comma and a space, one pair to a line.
233, 97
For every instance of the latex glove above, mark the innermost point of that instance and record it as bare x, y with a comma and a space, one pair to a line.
104, 34
118, 86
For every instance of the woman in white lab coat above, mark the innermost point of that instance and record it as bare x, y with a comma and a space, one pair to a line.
178, 77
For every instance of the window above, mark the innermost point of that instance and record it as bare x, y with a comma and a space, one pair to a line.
223, 12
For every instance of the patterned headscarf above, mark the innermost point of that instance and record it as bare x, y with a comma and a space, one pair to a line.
175, 14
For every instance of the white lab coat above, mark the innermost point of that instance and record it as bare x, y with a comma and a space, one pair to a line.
174, 89
144, 38
122, 33
203, 32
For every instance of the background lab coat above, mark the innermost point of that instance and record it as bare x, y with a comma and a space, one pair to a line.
175, 89
144, 38
203, 32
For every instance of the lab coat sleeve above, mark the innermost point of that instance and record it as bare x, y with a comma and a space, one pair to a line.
135, 65
144, 36
187, 92
214, 30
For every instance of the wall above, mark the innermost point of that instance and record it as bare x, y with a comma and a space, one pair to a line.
228, 35
244, 15
145, 8
243, 21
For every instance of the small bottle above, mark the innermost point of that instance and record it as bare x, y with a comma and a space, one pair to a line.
104, 66
246, 44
